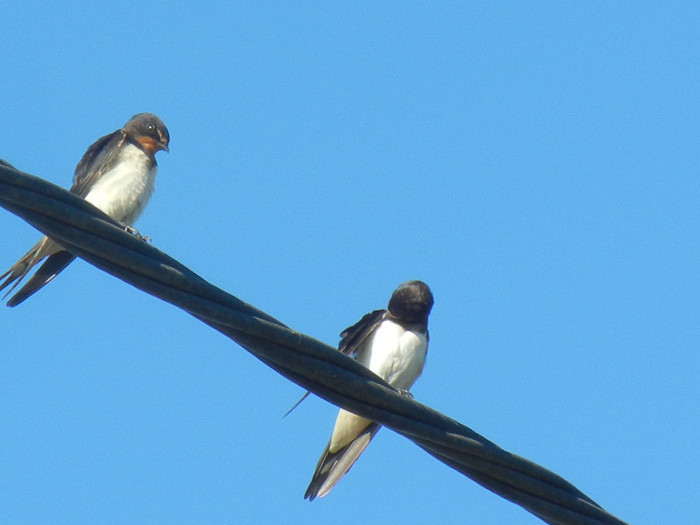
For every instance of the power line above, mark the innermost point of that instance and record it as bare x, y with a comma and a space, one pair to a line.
88, 233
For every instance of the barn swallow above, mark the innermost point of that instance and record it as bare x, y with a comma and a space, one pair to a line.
116, 175
393, 344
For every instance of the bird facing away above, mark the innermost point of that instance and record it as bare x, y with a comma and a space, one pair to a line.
393, 344
116, 175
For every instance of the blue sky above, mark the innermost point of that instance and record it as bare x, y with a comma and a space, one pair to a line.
536, 165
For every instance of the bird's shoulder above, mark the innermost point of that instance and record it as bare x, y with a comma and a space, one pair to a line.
351, 338
97, 160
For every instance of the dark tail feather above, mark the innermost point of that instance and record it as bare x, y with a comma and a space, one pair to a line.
43, 276
297, 404
333, 466
20, 269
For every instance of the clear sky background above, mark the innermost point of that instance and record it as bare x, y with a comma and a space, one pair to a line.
538, 166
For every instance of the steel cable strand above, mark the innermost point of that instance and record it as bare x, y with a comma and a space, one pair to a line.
313, 365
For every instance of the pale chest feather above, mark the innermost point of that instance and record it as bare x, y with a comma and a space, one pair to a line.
123, 192
397, 355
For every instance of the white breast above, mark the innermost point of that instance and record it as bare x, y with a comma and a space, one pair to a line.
123, 192
397, 355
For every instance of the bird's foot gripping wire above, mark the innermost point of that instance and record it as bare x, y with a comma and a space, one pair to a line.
135, 232
405, 392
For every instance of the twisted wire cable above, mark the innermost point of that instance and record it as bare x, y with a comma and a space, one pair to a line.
90, 234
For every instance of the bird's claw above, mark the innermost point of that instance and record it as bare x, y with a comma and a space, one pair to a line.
405, 392
135, 232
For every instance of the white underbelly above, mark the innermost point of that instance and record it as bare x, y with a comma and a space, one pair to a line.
123, 192
397, 355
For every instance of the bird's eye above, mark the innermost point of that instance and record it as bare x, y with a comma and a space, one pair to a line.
151, 127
